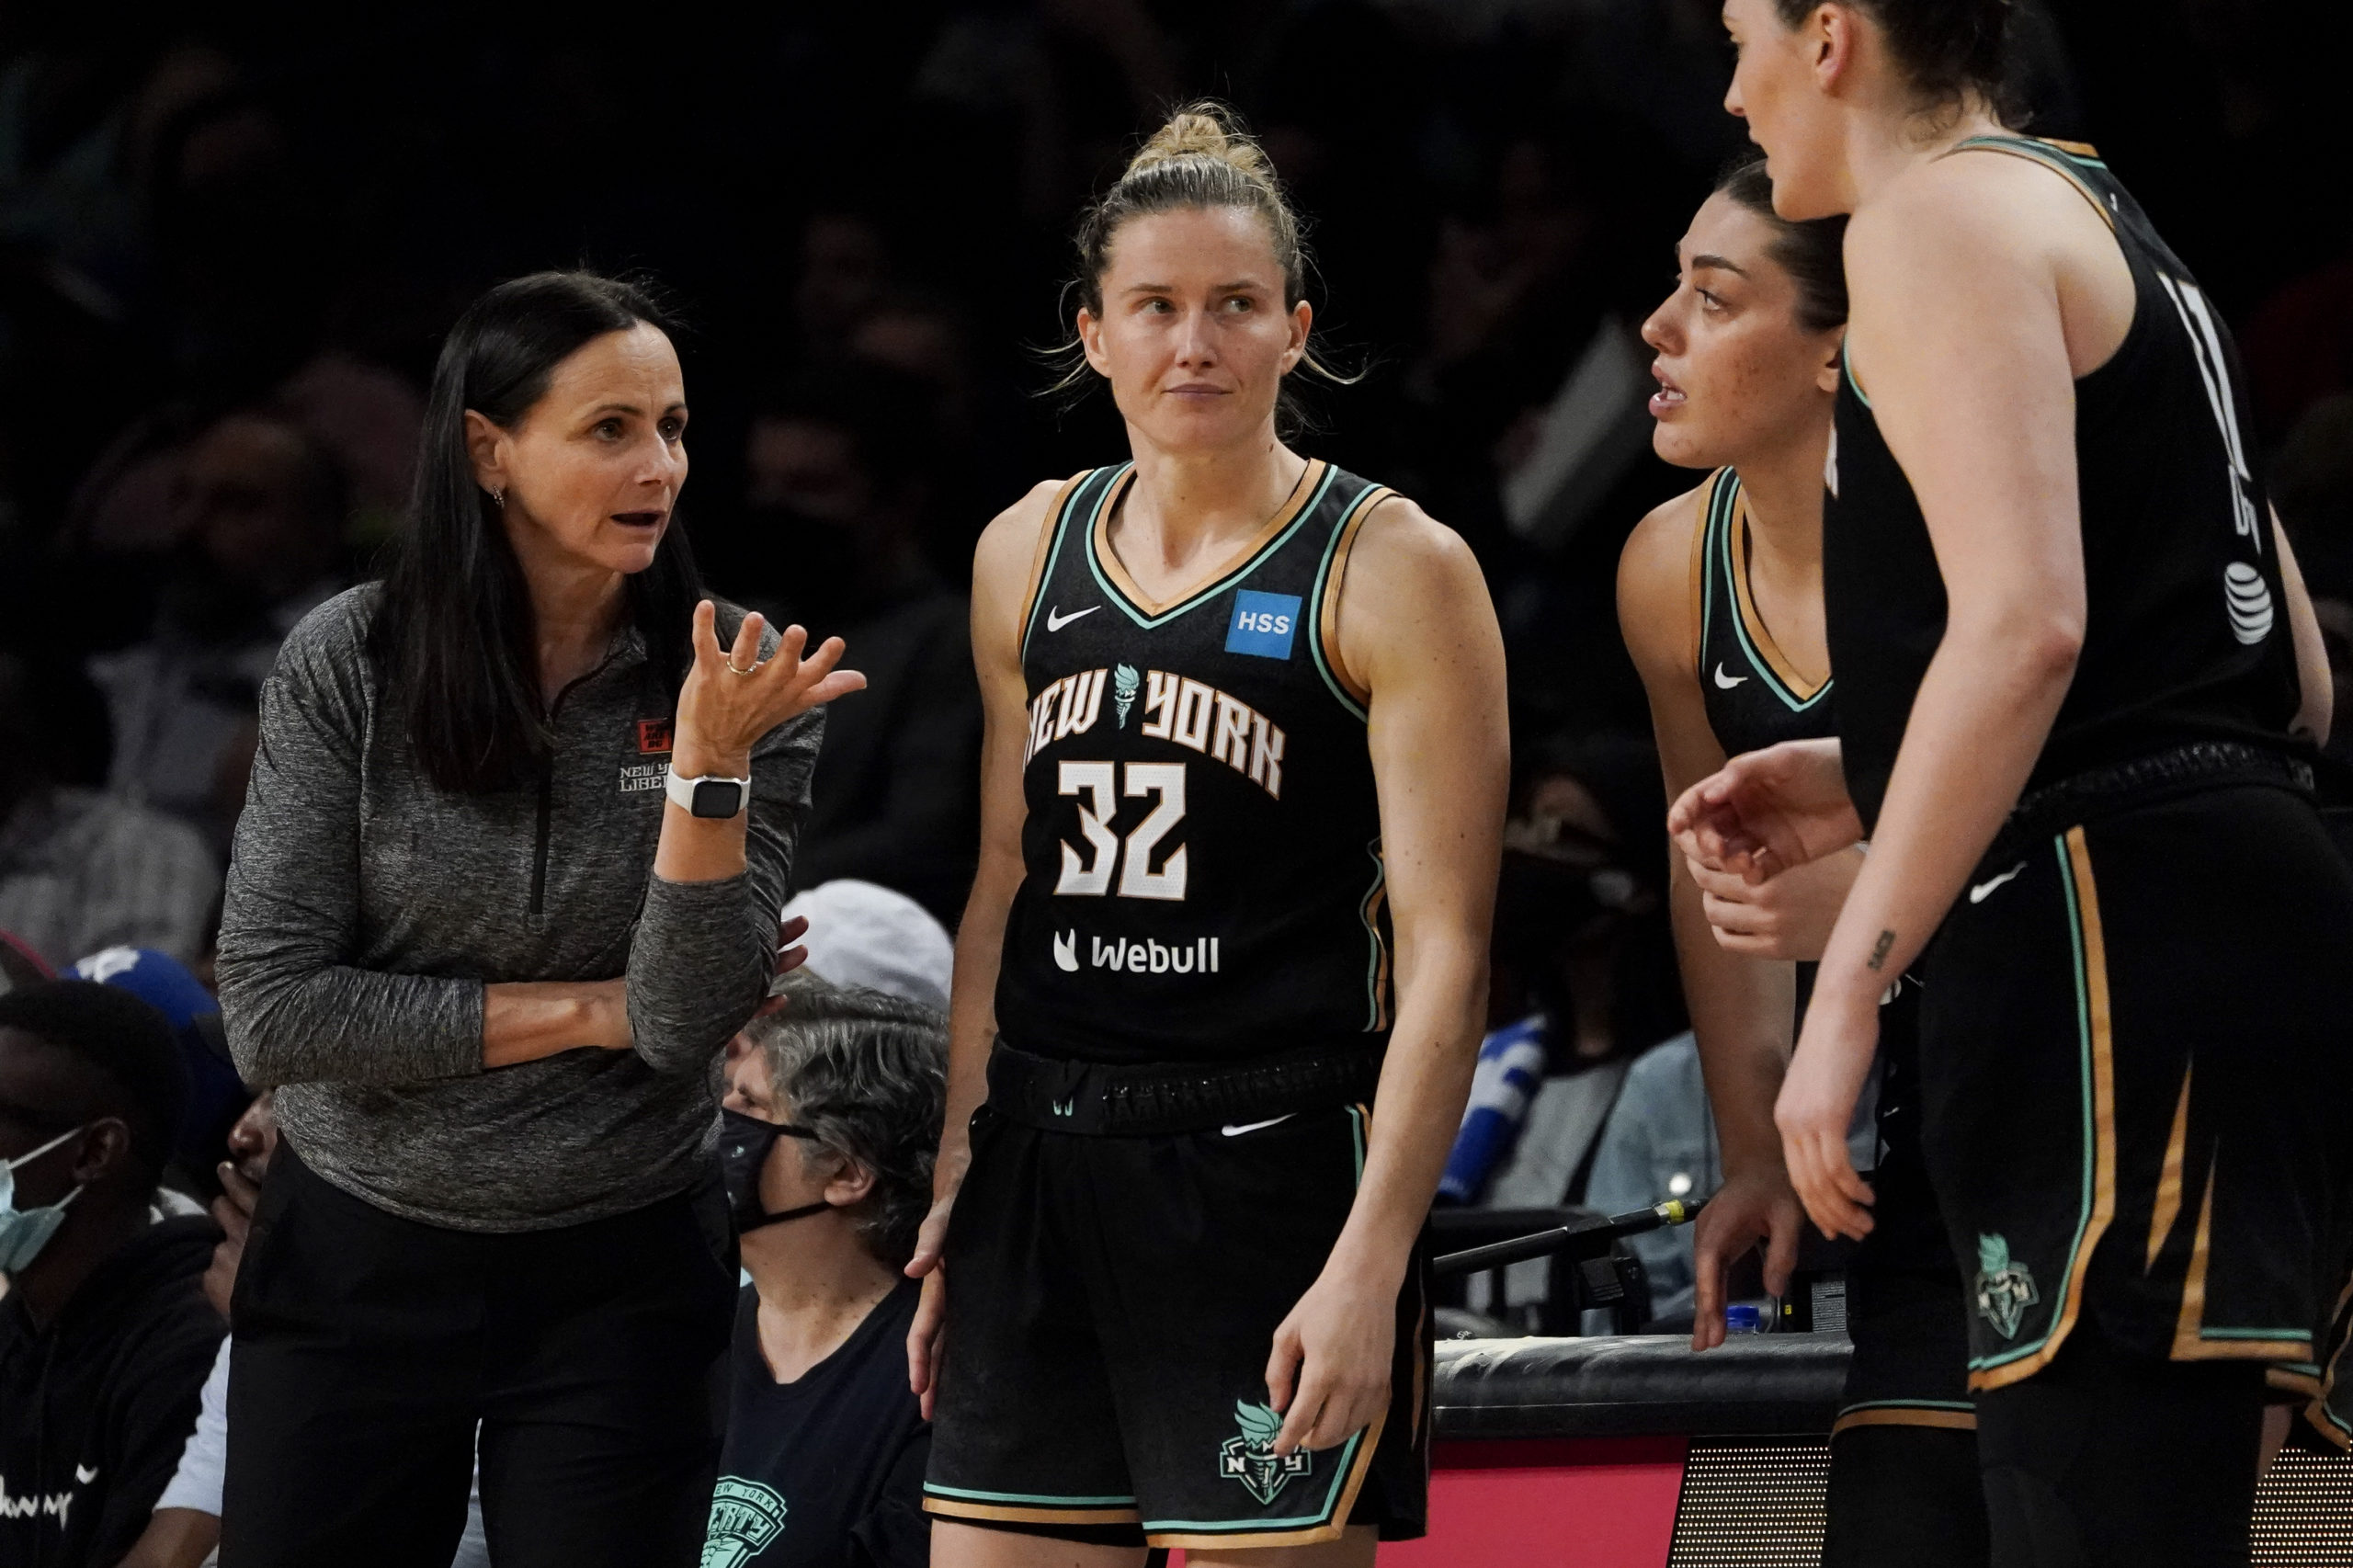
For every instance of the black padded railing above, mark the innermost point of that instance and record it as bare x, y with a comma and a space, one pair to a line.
1637, 1385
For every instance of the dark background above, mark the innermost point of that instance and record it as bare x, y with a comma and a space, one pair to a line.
206, 207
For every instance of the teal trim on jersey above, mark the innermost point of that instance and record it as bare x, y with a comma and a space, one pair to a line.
1717, 502
1148, 622
2304, 1335
2309, 1368
933, 1488
1374, 1002
2091, 1130
2058, 160
1961, 1404
1722, 512
1315, 602
1355, 1131
1061, 532
1847, 368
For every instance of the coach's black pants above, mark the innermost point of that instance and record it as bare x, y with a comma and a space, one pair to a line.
368, 1347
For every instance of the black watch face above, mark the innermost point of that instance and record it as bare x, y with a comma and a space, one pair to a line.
717, 798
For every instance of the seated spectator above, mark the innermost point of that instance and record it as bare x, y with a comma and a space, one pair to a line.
832, 1120
81, 870
1659, 1142
105, 1334
262, 545
185, 1530
217, 1096
833, 538
859, 935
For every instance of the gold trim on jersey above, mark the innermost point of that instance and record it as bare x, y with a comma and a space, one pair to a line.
1699, 573
1905, 1416
1327, 616
2099, 1050
1759, 635
2052, 155
1115, 569
2167, 1208
1038, 556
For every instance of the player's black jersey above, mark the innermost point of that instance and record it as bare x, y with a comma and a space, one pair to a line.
2187, 636
1203, 844
1755, 697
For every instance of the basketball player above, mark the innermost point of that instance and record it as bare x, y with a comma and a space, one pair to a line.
1244, 789
1719, 594
2077, 680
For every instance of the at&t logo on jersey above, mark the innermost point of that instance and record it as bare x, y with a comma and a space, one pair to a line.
1263, 624
1200, 956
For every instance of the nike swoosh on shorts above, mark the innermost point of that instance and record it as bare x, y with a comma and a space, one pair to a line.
1979, 893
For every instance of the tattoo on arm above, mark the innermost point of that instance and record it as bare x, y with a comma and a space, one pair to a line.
1878, 950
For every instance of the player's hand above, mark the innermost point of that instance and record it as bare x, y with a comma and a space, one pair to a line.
1751, 1206
923, 1348
1328, 1376
1766, 811
1786, 916
1817, 1105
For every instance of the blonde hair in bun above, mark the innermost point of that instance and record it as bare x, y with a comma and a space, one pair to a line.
1201, 158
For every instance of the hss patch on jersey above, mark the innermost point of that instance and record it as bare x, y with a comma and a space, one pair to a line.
1202, 848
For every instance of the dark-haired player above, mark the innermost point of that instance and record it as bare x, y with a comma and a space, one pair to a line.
105, 1334
2077, 680
1720, 596
1243, 794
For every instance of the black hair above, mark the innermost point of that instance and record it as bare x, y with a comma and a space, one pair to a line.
867, 1073
1812, 252
130, 1046
1946, 49
453, 640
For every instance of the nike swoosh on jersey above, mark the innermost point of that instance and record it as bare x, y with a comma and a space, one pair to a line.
1724, 681
1978, 894
1056, 620
1233, 1131
84, 1476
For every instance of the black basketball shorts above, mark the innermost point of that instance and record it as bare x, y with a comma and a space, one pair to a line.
2135, 1077
1905, 1307
1111, 1306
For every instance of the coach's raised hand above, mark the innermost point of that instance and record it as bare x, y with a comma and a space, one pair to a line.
732, 697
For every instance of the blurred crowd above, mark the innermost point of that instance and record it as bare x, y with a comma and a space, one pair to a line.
230, 237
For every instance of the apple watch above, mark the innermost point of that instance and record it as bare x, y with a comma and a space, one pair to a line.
706, 797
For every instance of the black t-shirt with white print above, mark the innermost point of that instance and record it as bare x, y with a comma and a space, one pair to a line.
826, 1470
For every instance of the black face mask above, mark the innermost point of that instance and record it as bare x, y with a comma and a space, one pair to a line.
743, 1145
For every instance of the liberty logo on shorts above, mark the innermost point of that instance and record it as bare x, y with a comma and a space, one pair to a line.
744, 1517
1251, 1458
2005, 1290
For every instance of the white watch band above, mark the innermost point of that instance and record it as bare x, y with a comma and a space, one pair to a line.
686, 794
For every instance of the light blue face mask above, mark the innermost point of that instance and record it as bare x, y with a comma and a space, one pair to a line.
24, 1231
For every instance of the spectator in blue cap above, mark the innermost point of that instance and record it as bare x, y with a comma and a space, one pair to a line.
216, 1095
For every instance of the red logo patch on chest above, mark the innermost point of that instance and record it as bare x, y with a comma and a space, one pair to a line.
653, 735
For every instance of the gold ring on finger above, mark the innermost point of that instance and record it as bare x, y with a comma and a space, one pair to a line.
734, 671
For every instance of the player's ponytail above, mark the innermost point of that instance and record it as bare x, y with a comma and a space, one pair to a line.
1811, 252
1200, 159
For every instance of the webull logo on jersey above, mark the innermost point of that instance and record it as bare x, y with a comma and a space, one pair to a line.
1200, 956
1176, 707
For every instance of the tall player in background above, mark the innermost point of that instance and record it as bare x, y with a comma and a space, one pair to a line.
2077, 676
1242, 801
1720, 594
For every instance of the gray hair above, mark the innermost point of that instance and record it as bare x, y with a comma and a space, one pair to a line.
868, 1074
